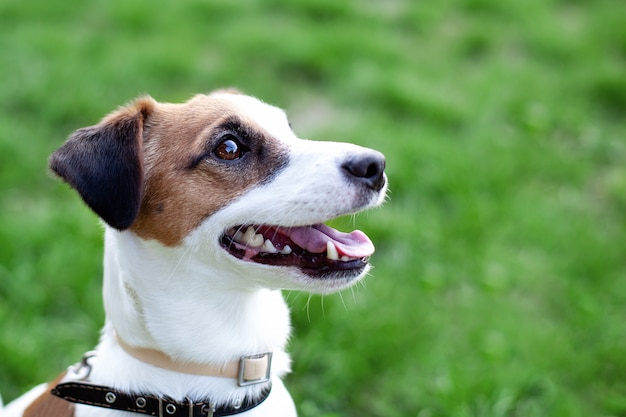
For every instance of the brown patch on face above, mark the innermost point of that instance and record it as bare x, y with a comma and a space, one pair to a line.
184, 180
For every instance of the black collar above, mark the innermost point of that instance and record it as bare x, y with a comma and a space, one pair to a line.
106, 397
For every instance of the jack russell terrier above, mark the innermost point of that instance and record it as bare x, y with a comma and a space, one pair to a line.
211, 207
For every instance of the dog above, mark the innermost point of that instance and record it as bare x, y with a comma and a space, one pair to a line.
210, 208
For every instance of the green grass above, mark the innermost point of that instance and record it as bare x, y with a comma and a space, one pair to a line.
500, 279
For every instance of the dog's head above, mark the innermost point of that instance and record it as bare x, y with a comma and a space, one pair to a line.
225, 176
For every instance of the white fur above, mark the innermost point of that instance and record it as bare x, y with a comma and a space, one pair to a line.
197, 303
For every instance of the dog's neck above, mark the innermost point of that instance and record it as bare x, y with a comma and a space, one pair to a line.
167, 299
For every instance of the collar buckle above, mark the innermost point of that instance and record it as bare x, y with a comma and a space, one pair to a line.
254, 369
208, 410
82, 369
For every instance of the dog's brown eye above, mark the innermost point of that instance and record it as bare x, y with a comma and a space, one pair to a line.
229, 149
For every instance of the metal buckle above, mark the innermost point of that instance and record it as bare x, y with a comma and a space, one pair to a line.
82, 369
209, 409
242, 370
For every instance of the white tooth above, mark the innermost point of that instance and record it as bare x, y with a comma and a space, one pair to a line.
331, 251
249, 234
345, 258
286, 250
268, 246
251, 238
239, 237
257, 240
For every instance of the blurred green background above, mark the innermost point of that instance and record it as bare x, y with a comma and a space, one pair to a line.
500, 279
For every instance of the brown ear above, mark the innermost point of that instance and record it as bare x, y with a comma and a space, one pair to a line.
104, 163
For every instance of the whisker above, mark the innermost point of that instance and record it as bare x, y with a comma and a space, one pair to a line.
180, 260
308, 307
345, 307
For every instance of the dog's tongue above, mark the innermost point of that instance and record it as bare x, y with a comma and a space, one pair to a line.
314, 239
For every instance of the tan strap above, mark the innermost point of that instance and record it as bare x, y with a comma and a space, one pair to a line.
248, 370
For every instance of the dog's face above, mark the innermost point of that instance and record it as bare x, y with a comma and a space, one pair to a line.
224, 176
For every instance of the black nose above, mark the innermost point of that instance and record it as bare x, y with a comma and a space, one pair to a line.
368, 169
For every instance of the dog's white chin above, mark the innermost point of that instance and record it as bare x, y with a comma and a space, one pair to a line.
338, 281
293, 278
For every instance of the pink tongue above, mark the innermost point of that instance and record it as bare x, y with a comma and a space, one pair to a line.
314, 239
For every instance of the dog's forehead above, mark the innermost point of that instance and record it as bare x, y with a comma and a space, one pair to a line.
270, 118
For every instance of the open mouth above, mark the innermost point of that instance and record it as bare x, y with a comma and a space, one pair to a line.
317, 250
